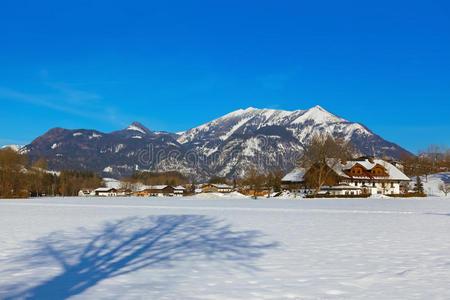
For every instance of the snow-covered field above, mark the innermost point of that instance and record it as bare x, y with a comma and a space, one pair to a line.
225, 248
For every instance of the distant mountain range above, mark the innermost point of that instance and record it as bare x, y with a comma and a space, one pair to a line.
227, 146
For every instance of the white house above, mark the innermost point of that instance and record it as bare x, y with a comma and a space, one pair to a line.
105, 192
364, 175
86, 193
179, 191
217, 188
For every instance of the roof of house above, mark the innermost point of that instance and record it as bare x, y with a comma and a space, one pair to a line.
391, 170
158, 187
179, 187
222, 186
296, 175
152, 187
219, 185
104, 189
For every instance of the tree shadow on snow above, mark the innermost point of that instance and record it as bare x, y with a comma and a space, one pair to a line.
132, 244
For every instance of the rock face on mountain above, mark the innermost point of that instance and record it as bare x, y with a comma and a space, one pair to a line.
228, 146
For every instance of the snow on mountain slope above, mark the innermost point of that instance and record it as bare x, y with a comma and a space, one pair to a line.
16, 148
227, 146
318, 115
302, 123
132, 127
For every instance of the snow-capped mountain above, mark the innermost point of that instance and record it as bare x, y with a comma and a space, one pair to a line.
227, 146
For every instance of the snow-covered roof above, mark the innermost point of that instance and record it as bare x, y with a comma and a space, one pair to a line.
104, 189
152, 187
393, 172
179, 187
158, 187
296, 175
222, 186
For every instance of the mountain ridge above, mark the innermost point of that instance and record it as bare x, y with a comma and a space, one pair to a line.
227, 146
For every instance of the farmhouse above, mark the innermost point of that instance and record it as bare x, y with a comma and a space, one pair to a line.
155, 191
217, 188
106, 192
179, 191
294, 180
86, 193
364, 175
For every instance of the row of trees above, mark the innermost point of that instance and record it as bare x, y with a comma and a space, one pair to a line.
432, 160
21, 178
172, 178
255, 182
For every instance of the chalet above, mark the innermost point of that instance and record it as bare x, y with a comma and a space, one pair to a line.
106, 192
217, 188
179, 191
354, 177
294, 180
155, 191
124, 192
86, 193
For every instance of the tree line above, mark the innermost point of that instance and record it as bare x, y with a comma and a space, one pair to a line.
432, 160
172, 178
255, 182
21, 178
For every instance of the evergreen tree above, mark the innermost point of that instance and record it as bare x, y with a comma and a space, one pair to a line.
418, 186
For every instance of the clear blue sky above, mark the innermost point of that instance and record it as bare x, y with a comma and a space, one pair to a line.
173, 65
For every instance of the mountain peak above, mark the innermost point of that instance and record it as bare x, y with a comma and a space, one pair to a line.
318, 115
317, 107
136, 126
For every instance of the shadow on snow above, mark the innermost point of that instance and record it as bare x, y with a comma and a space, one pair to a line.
132, 244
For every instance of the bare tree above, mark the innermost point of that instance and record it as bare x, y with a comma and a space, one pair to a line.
320, 156
254, 181
445, 188
273, 181
405, 187
37, 175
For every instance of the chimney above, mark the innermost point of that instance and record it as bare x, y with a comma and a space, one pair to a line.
344, 161
371, 160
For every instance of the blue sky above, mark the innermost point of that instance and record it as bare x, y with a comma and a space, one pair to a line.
173, 65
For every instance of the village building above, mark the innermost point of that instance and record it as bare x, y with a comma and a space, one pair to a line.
364, 175
106, 192
340, 190
179, 191
86, 192
123, 192
217, 188
294, 180
155, 191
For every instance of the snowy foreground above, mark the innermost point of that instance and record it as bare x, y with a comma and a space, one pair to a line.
187, 248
